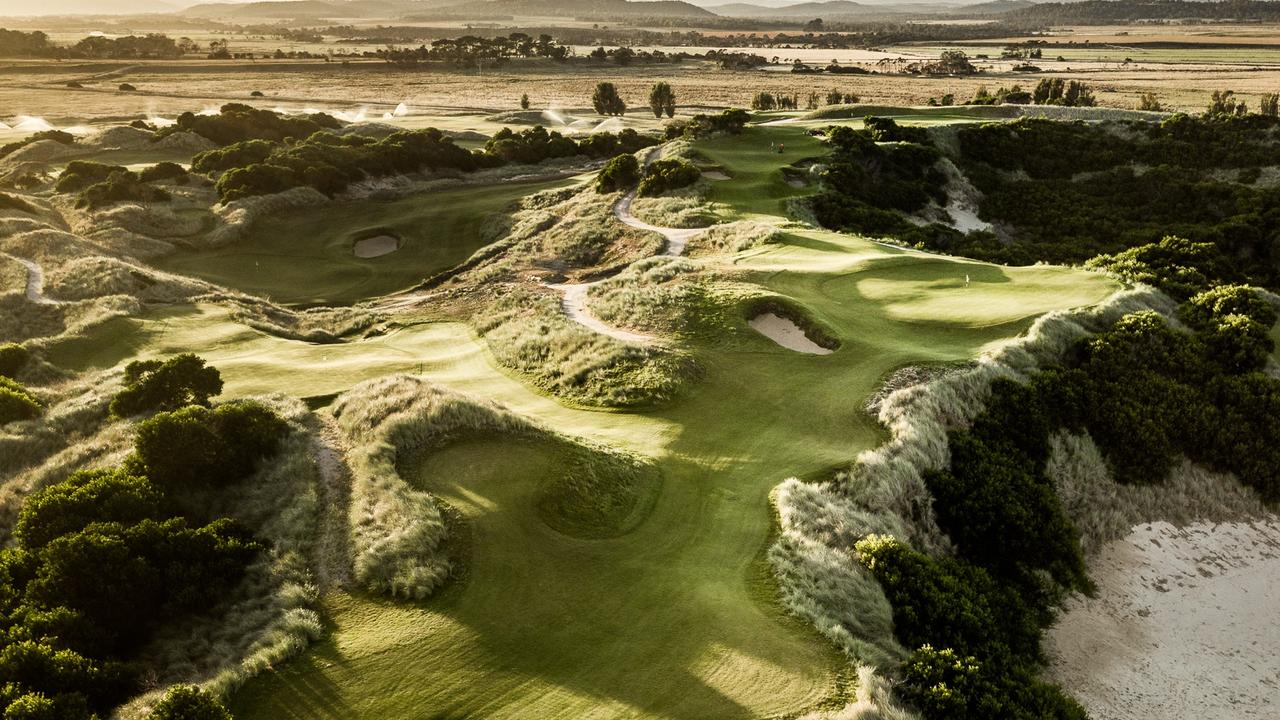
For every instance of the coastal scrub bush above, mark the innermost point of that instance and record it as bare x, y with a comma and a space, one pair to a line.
620, 173
13, 358
666, 175
197, 447
166, 385
16, 402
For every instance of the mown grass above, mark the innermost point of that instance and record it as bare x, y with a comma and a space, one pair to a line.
305, 256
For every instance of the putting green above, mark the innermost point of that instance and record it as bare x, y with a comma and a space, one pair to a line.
305, 256
678, 618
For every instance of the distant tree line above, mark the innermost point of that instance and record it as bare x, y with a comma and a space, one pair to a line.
260, 157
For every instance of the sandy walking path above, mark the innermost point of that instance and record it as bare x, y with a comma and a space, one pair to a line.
575, 308
35, 282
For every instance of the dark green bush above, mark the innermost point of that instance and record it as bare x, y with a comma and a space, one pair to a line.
667, 175
13, 358
85, 497
80, 174
166, 385
237, 122
163, 171
620, 173
188, 702
120, 187
197, 447
16, 402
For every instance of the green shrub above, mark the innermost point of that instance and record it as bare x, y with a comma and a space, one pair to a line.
235, 155
620, 173
80, 174
236, 122
163, 171
197, 447
119, 187
166, 385
85, 497
13, 358
16, 403
125, 579
666, 175
188, 702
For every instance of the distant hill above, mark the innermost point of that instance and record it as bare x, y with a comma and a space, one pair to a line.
995, 7
574, 8
807, 10
22, 8
309, 9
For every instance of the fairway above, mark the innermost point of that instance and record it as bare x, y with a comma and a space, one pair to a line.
306, 256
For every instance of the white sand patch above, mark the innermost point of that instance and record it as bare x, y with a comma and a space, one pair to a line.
376, 246
1183, 625
786, 333
714, 175
796, 182
35, 282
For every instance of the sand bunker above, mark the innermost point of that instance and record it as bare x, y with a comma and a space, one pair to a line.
376, 246
714, 175
787, 334
1183, 625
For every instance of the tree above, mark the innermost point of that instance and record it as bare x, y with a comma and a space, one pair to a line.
620, 173
524, 101
1223, 104
606, 100
166, 385
1269, 105
662, 99
198, 447
188, 702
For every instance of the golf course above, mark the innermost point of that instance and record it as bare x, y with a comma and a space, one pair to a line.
458, 413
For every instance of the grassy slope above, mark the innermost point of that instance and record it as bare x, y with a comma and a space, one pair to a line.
305, 256
671, 620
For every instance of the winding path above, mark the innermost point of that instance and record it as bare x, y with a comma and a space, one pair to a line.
35, 281
575, 294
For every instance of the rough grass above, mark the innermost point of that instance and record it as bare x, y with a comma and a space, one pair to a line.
660, 293
563, 231
528, 332
734, 237
1104, 510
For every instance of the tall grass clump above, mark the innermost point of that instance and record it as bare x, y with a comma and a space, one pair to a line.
397, 532
528, 332
658, 293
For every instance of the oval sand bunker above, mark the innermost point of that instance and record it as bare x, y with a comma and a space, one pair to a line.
786, 333
376, 246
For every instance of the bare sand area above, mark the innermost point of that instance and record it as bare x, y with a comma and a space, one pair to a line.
1184, 625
